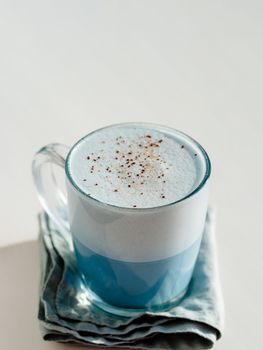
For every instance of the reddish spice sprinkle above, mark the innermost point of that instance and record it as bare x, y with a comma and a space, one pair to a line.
115, 190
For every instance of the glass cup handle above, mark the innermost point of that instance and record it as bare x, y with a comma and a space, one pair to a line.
50, 183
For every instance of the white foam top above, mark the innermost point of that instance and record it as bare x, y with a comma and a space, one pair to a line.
135, 166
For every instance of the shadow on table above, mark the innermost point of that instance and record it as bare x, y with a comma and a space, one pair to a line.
19, 280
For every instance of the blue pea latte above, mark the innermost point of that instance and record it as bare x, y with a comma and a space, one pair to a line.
137, 201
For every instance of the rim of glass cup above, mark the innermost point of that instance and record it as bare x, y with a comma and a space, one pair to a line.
153, 126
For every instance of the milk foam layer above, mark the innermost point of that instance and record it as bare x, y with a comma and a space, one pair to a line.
134, 166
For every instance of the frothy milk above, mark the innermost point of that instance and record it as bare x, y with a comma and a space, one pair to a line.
135, 166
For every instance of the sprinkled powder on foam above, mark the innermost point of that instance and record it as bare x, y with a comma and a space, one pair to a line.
134, 167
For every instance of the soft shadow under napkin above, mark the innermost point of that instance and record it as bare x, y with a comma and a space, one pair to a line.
66, 315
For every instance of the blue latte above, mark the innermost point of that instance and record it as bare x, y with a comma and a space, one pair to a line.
137, 197
137, 284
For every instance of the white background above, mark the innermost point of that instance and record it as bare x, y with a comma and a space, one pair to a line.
68, 67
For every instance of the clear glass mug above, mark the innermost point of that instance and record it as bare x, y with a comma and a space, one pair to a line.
132, 259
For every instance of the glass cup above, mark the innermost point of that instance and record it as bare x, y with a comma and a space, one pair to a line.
132, 259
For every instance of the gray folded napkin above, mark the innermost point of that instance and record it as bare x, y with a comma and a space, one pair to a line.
67, 315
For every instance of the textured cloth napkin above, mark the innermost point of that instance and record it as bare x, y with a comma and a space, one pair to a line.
66, 314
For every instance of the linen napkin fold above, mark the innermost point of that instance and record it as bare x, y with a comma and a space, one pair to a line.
67, 315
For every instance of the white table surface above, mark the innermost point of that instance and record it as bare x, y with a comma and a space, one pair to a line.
68, 67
